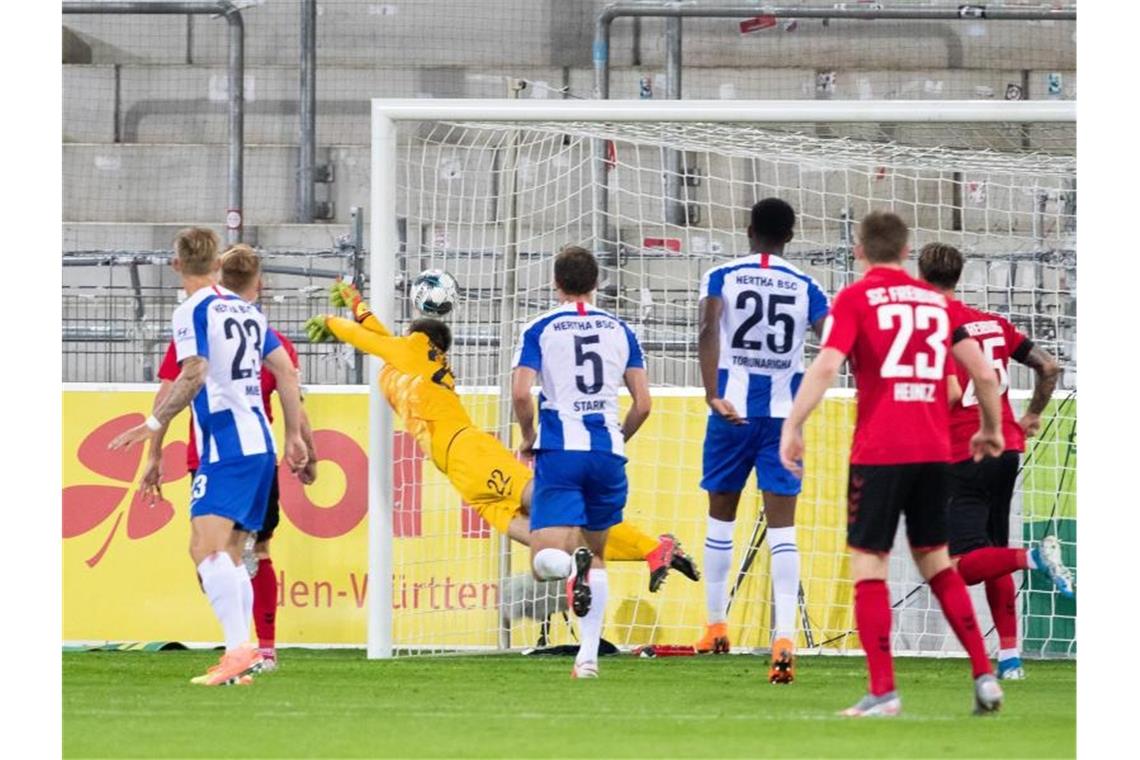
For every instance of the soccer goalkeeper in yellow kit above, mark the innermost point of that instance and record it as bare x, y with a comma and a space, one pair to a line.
418, 383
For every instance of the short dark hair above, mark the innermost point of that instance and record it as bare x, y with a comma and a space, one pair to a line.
883, 235
941, 265
772, 221
437, 332
575, 271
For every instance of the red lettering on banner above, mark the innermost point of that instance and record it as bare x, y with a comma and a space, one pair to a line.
359, 592
299, 587
472, 523
346, 514
467, 594
407, 520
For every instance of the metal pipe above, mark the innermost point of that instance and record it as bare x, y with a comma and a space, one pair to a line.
383, 249
307, 123
357, 232
235, 221
674, 159
507, 315
601, 54
236, 74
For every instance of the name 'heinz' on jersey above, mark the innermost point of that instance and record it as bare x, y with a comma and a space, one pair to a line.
581, 354
768, 306
231, 334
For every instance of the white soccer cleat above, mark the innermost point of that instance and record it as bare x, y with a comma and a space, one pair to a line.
1047, 557
584, 670
987, 694
883, 706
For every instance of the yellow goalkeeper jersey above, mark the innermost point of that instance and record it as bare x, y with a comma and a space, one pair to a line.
416, 380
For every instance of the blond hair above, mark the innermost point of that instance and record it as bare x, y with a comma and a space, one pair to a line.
197, 250
240, 267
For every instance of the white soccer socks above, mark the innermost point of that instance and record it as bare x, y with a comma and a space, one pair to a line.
785, 580
590, 626
718, 559
552, 564
220, 582
245, 586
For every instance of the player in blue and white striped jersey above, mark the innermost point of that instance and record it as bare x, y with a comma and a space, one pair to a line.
222, 342
754, 314
581, 356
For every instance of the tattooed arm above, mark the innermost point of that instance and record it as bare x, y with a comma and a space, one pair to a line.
190, 380
1047, 370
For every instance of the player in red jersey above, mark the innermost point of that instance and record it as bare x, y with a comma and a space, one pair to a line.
980, 492
898, 332
241, 273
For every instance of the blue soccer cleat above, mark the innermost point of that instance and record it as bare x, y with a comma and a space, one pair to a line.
1047, 557
1010, 669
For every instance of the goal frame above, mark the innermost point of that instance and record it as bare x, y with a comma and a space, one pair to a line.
387, 114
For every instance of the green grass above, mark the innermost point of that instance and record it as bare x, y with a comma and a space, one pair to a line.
336, 703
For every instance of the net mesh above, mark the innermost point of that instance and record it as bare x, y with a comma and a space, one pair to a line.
490, 203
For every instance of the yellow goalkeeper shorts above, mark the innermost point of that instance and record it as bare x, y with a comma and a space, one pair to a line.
487, 476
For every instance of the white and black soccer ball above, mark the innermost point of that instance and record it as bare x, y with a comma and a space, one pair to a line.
434, 292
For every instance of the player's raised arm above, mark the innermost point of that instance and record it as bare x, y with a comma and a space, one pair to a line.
1047, 370
988, 441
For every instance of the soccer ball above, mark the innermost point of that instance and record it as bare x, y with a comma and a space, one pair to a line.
434, 292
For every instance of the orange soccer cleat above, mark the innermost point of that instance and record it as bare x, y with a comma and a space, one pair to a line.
715, 640
234, 669
783, 668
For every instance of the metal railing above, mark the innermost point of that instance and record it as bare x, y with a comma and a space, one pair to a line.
675, 12
234, 219
117, 304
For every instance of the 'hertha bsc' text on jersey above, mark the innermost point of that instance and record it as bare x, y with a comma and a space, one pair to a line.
581, 354
230, 421
768, 307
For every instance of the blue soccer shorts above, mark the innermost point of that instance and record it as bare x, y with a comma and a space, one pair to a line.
237, 489
585, 489
732, 451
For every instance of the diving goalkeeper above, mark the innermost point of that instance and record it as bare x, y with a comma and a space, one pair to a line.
418, 383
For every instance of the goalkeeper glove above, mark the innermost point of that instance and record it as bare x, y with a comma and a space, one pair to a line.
318, 330
343, 294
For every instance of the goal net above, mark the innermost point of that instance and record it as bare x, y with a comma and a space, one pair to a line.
489, 191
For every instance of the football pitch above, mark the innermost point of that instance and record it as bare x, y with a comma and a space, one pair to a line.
337, 704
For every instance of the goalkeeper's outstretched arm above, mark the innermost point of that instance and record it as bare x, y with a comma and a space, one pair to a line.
393, 350
345, 294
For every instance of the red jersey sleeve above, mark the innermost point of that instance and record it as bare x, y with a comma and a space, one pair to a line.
1017, 343
169, 368
842, 322
290, 349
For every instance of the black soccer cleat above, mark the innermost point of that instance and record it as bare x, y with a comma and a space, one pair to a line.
578, 585
684, 563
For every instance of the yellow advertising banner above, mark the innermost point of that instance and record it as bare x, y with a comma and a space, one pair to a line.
127, 575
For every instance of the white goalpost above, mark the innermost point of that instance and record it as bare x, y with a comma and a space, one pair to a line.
489, 190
